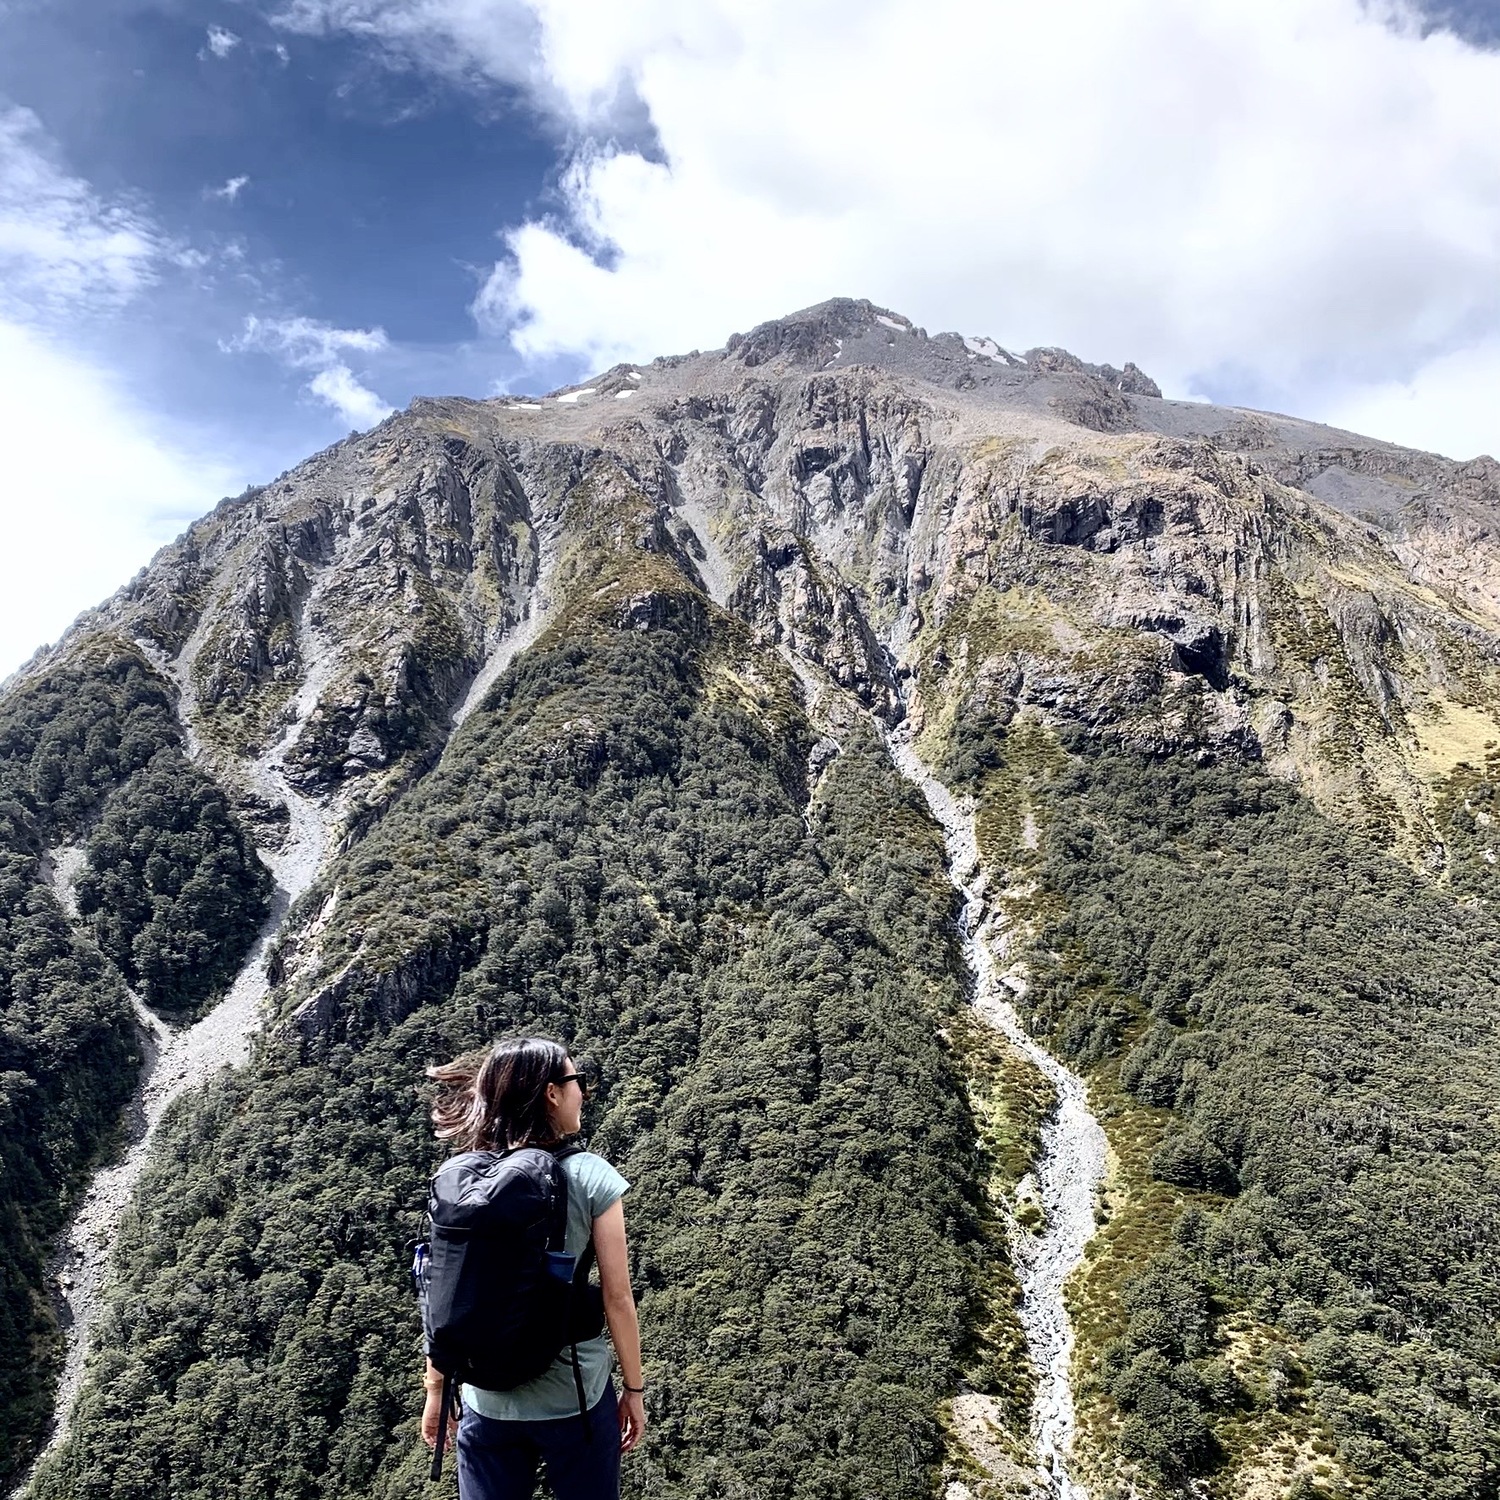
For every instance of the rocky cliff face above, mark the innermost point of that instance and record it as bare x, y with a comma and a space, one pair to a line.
928, 531
938, 524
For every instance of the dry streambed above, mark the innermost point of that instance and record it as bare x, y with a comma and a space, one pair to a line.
175, 1060
1072, 1160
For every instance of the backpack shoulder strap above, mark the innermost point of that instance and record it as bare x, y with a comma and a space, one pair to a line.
586, 1260
558, 1233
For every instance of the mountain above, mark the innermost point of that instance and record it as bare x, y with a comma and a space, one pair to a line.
1019, 850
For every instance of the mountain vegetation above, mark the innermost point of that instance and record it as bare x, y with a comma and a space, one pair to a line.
571, 715
1322, 1026
98, 736
804, 1216
173, 887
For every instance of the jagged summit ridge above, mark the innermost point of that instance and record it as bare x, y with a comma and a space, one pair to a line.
847, 333
847, 482
846, 485
850, 331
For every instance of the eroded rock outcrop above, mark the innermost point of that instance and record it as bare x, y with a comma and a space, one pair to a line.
928, 528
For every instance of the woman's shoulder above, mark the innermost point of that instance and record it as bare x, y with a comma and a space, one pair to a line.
582, 1162
599, 1177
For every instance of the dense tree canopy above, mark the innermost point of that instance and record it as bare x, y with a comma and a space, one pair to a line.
620, 849
183, 889
1323, 1024
614, 851
173, 889
67, 1059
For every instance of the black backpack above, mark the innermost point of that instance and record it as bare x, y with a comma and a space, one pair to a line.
501, 1297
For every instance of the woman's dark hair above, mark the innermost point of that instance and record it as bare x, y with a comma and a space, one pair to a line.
496, 1098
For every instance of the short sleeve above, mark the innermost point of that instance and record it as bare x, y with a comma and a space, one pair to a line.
605, 1185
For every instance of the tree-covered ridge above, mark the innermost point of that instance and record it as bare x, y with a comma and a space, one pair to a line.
67, 1038
96, 737
1322, 1025
67, 1062
174, 891
71, 736
883, 847
613, 850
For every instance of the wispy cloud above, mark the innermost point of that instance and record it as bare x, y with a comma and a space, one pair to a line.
62, 248
231, 189
460, 39
357, 404
94, 484
306, 343
310, 345
221, 42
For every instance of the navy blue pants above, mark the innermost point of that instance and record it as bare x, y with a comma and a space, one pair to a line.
498, 1460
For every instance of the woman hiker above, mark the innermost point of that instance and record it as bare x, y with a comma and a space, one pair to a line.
529, 1093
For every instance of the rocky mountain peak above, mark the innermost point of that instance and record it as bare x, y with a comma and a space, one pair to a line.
589, 712
818, 334
845, 484
845, 332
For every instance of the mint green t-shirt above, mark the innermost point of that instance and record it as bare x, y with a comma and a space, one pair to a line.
593, 1187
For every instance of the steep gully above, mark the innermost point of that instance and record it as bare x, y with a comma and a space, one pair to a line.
177, 1060
1071, 1162
1069, 1169
532, 605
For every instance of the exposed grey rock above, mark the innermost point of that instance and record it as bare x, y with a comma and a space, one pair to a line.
1026, 534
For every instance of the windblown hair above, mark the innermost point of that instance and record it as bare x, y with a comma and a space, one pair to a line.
496, 1099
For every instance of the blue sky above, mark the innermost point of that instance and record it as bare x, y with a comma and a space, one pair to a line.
1477, 21
314, 179
230, 231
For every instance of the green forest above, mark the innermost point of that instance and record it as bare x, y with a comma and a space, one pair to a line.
173, 887
620, 848
97, 739
613, 851
1324, 1027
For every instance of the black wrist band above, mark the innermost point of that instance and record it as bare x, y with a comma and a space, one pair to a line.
635, 1390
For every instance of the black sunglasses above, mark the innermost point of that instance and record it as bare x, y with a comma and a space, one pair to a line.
578, 1078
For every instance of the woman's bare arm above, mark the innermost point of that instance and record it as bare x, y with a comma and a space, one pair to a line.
432, 1384
619, 1311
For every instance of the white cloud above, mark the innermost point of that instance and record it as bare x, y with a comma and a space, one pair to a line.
1450, 405
308, 344
496, 37
231, 190
220, 43
359, 406
93, 487
1306, 192
62, 249
93, 484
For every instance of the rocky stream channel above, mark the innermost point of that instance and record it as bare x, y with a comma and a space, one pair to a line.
1072, 1160
175, 1060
